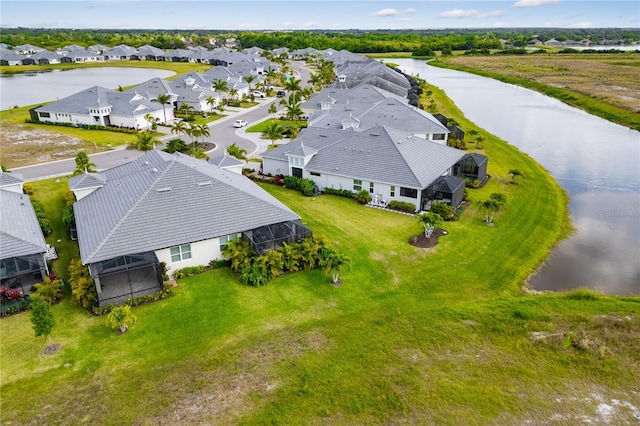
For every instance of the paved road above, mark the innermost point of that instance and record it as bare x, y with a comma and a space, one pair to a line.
222, 132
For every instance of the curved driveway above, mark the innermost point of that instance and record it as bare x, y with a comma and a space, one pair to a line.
222, 132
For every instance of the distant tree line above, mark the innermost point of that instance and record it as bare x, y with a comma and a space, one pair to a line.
420, 42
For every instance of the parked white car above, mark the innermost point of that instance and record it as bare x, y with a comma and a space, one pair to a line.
239, 123
258, 94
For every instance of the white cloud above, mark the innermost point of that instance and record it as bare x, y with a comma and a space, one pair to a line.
386, 12
582, 25
534, 3
461, 14
410, 10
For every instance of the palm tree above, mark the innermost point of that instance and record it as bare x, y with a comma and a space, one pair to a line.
430, 221
233, 92
195, 132
294, 110
211, 101
163, 99
490, 207
179, 127
273, 132
316, 80
249, 79
204, 131
146, 142
515, 174
186, 109
334, 263
271, 263
293, 85
151, 120
120, 317
83, 164
235, 151
220, 86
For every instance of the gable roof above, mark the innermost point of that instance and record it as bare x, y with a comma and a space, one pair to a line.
10, 179
122, 103
162, 200
20, 233
388, 112
364, 93
224, 161
379, 154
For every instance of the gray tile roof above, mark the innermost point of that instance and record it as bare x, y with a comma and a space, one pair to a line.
122, 103
86, 181
150, 89
383, 154
387, 112
312, 137
20, 233
161, 200
224, 161
363, 93
8, 179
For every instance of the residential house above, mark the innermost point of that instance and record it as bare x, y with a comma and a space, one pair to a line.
101, 106
43, 58
194, 90
149, 53
228, 162
472, 166
119, 53
169, 208
22, 245
389, 112
27, 49
81, 56
9, 57
391, 164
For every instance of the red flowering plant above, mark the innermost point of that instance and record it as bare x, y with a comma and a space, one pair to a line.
8, 295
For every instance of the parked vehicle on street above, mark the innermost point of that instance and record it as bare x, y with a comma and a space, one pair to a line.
258, 94
280, 94
239, 123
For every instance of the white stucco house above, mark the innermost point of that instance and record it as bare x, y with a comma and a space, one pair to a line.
391, 164
101, 106
174, 209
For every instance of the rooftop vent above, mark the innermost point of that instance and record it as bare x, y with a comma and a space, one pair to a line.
164, 189
375, 134
154, 170
206, 183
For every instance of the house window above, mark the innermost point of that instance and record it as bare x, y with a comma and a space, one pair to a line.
180, 253
438, 136
314, 173
45, 115
393, 191
408, 192
371, 187
357, 185
225, 240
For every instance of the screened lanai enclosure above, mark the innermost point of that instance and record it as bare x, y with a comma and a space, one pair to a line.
22, 272
126, 277
271, 237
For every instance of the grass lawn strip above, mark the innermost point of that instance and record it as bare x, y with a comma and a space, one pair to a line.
413, 335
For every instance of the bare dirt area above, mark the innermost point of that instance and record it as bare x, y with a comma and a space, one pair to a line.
22, 145
609, 78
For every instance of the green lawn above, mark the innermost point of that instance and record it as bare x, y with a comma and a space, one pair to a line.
412, 336
177, 67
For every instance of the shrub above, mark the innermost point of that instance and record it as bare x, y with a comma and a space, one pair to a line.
306, 187
70, 197
340, 192
45, 224
27, 188
83, 288
292, 182
402, 206
363, 197
469, 183
50, 290
219, 263
120, 317
68, 217
10, 295
445, 211
188, 271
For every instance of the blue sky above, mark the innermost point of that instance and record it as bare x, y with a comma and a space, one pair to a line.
318, 14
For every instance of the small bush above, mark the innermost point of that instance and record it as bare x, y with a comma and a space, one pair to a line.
188, 271
340, 192
10, 295
583, 294
219, 263
306, 187
445, 211
50, 290
291, 182
363, 197
27, 188
402, 206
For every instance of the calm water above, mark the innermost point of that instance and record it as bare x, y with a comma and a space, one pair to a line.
597, 162
33, 88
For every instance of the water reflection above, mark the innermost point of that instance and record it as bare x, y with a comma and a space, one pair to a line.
33, 88
596, 161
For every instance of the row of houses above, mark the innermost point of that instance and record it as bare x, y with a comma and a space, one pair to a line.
179, 211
